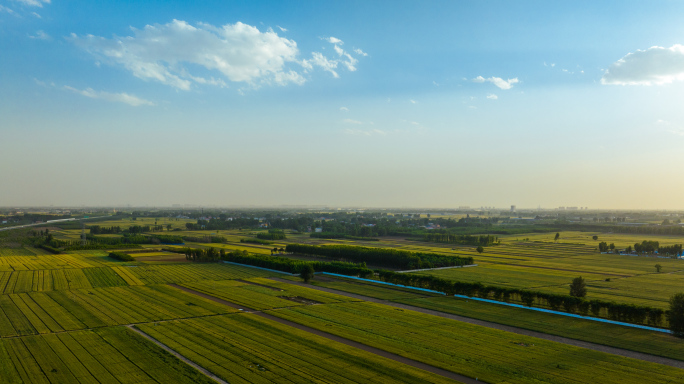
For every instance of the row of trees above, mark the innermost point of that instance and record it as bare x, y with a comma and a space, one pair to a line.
617, 311
390, 258
335, 235
272, 234
97, 230
645, 247
121, 256
450, 238
278, 263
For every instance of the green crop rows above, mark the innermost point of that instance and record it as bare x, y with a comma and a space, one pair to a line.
492, 355
39, 313
267, 295
248, 349
111, 355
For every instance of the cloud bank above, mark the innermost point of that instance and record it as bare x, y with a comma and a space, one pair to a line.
653, 66
499, 82
115, 97
180, 55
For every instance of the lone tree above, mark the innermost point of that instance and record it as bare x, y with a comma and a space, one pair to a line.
595, 237
658, 267
479, 249
578, 288
307, 273
557, 236
675, 316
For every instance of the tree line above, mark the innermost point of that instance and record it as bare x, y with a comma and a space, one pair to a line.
335, 235
390, 258
450, 238
97, 230
121, 256
278, 263
272, 234
598, 308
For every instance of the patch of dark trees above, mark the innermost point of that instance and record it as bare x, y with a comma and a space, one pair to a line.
389, 258
334, 235
450, 238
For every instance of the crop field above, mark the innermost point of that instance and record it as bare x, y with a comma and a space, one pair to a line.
263, 293
34, 262
181, 273
63, 316
655, 343
621, 240
57, 311
492, 355
111, 355
245, 348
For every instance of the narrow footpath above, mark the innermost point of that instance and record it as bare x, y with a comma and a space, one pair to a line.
376, 351
519, 331
178, 355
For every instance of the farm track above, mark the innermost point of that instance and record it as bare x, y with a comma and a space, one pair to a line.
376, 351
564, 269
178, 355
519, 331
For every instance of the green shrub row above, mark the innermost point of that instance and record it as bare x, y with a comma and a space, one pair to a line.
121, 256
255, 241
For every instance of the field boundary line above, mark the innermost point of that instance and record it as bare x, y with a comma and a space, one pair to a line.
509, 304
435, 269
507, 328
178, 355
265, 269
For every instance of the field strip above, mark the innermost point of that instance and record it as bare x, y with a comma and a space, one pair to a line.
519, 331
178, 355
564, 269
376, 351
435, 269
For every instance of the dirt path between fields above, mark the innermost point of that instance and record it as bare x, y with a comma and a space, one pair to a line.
519, 331
376, 351
178, 355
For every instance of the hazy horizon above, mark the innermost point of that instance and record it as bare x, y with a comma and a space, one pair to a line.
346, 104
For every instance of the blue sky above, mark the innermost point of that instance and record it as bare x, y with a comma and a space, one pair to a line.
401, 104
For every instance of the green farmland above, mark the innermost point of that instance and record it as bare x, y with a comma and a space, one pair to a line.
60, 313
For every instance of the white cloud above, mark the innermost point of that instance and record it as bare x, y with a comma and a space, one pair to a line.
653, 66
36, 15
499, 82
344, 109
281, 28
358, 51
8, 10
40, 35
669, 127
239, 52
492, 96
413, 101
345, 58
350, 121
321, 61
34, 3
115, 97
361, 132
